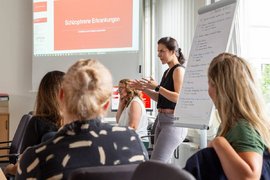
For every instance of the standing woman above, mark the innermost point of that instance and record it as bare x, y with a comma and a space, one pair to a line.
166, 94
244, 132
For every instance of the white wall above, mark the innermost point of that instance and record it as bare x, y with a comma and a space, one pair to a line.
16, 58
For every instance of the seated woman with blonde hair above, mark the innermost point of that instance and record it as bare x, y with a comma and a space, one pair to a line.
131, 110
84, 140
244, 132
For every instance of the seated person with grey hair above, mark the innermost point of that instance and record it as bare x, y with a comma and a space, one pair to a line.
84, 140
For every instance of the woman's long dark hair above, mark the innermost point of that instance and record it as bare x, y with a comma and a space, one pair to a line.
46, 100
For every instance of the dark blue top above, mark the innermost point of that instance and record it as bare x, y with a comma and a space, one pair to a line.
167, 83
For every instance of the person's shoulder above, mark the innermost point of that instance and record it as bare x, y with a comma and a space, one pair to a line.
136, 99
242, 124
137, 104
33, 121
39, 118
31, 151
123, 130
112, 128
106, 128
44, 120
27, 159
242, 128
179, 68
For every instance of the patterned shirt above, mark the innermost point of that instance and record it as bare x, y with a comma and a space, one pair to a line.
81, 144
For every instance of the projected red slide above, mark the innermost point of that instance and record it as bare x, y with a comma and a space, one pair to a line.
84, 24
40, 7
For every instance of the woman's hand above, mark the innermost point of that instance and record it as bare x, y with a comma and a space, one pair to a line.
11, 169
149, 83
136, 84
143, 84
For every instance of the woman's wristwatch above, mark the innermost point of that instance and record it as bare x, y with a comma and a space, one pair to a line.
157, 88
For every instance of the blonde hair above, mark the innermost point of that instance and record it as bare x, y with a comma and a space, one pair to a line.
238, 95
87, 88
131, 92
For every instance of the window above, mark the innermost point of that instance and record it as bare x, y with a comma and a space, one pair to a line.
253, 39
266, 82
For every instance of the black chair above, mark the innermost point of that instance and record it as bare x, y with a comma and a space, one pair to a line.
14, 146
116, 172
205, 164
151, 134
157, 170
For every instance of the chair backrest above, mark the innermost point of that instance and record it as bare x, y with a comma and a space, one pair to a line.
205, 164
152, 129
159, 171
104, 172
15, 146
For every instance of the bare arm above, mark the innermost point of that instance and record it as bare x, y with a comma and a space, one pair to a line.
11, 169
134, 113
121, 107
152, 94
244, 165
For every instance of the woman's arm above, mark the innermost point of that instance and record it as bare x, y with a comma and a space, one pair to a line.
244, 165
134, 114
152, 94
11, 169
26, 160
120, 109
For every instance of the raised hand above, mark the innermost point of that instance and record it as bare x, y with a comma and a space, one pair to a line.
143, 84
136, 84
149, 83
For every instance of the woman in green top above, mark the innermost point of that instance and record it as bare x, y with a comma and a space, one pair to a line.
245, 129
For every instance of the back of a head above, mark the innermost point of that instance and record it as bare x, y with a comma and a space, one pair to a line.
234, 82
87, 88
46, 101
237, 93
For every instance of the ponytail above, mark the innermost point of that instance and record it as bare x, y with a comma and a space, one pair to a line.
180, 56
172, 45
